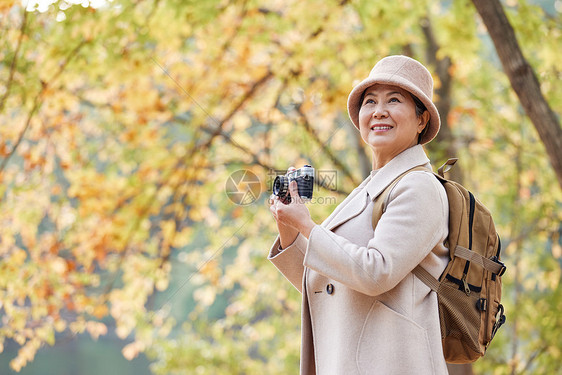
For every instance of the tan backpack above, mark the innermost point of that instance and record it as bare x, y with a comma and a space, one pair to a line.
469, 290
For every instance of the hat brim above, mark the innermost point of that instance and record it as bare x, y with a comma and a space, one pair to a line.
354, 99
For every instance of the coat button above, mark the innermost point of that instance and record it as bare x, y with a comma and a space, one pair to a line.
330, 288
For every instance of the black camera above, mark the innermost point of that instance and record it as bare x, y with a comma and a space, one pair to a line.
305, 182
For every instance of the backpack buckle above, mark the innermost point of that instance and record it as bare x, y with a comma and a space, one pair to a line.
500, 320
482, 304
503, 267
465, 285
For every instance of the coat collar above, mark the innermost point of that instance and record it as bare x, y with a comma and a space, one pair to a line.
374, 184
404, 161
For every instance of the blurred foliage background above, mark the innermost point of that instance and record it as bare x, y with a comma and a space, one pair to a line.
122, 121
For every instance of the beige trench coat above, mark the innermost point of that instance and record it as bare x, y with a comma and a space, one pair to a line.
363, 311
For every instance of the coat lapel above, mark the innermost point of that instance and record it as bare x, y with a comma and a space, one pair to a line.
337, 214
372, 187
349, 209
408, 159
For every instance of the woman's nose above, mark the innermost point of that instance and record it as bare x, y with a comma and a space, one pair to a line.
379, 111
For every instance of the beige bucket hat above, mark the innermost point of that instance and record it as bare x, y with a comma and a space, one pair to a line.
406, 73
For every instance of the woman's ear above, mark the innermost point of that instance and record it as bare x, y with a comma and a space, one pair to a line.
423, 121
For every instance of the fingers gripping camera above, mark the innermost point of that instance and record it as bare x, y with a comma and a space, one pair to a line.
305, 183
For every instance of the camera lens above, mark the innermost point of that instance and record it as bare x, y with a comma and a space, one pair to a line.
281, 186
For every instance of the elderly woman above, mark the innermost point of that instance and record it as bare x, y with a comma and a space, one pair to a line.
364, 311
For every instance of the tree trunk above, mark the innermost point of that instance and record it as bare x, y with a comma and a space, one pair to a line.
465, 369
365, 162
523, 80
443, 146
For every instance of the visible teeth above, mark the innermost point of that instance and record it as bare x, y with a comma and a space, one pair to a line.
381, 127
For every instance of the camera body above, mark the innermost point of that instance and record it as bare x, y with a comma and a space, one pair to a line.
305, 183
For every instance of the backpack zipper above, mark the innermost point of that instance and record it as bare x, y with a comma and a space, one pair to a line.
470, 224
500, 318
471, 218
459, 282
496, 258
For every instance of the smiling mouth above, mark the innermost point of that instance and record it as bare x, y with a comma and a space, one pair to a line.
380, 127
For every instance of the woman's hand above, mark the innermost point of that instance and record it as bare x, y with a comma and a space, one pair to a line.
287, 234
294, 217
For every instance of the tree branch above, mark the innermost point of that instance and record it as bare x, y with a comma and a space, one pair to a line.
14, 62
324, 147
249, 94
267, 166
523, 80
365, 164
532, 358
182, 161
37, 103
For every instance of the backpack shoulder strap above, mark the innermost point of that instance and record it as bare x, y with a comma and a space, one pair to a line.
382, 200
427, 278
446, 167
380, 206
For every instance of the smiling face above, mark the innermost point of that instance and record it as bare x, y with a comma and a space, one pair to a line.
388, 122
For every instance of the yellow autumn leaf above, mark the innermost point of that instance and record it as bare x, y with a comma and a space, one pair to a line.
132, 350
5, 5
100, 311
96, 329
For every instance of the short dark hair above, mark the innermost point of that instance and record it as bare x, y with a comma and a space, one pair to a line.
420, 109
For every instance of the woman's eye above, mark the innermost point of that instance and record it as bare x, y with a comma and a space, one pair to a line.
368, 101
394, 100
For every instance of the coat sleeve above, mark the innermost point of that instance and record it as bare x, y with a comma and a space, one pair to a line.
289, 261
414, 222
